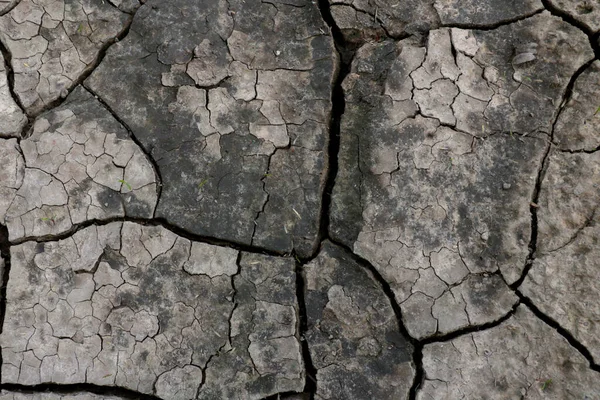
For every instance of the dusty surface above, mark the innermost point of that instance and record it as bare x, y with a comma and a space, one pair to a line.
290, 199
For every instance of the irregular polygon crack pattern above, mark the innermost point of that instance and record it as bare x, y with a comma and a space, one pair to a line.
141, 308
78, 164
53, 43
12, 118
263, 356
435, 179
520, 358
11, 395
360, 20
353, 334
236, 117
578, 126
564, 280
484, 12
585, 12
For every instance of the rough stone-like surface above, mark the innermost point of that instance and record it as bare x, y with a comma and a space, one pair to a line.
564, 280
578, 126
522, 358
435, 179
79, 165
586, 12
11, 174
114, 305
232, 99
128, 6
263, 356
12, 119
569, 198
359, 19
353, 334
484, 12
5, 5
8, 395
54, 42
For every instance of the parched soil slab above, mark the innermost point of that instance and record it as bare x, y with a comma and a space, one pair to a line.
521, 358
564, 280
5, 5
578, 126
569, 198
9, 395
353, 334
78, 164
359, 19
232, 100
484, 12
54, 43
586, 12
264, 356
144, 309
12, 117
437, 173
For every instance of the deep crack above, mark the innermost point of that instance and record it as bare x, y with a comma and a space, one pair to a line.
345, 53
310, 386
533, 207
593, 36
561, 331
77, 388
150, 222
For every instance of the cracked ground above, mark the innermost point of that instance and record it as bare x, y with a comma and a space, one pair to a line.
296, 199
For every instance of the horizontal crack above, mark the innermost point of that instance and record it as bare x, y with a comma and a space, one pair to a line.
153, 222
77, 388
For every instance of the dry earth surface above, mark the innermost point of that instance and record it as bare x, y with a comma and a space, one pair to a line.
296, 199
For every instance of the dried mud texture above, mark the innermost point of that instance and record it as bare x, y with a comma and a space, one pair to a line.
263, 357
522, 358
5, 5
440, 151
53, 43
485, 12
79, 164
585, 12
236, 117
359, 19
11, 115
564, 279
9, 395
353, 332
569, 198
141, 308
578, 126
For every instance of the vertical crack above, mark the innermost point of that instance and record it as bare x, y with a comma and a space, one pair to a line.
310, 386
345, 53
10, 74
533, 207
5, 254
